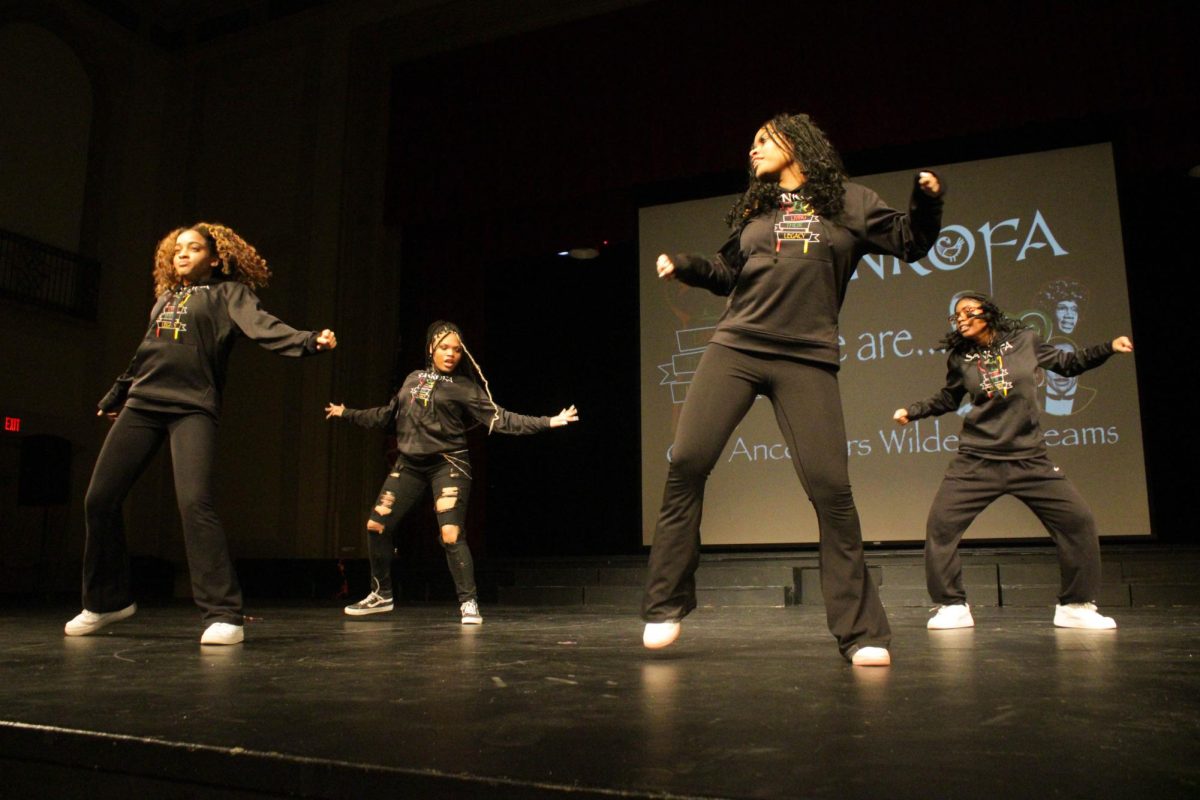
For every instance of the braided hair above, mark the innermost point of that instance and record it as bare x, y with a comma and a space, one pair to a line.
989, 312
434, 335
824, 175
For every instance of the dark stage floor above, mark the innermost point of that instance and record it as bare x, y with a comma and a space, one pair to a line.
549, 703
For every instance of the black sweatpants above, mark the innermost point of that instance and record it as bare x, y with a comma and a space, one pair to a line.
448, 475
133, 439
808, 408
972, 484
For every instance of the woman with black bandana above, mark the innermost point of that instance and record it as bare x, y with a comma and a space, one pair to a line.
431, 413
798, 234
995, 361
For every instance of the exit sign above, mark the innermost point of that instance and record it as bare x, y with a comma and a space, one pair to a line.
12, 424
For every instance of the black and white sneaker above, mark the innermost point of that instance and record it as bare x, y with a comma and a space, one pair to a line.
371, 604
470, 613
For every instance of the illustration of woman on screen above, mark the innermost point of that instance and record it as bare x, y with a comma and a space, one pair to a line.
798, 233
1063, 301
994, 360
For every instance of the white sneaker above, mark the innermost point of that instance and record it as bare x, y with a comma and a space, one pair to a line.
947, 617
871, 657
1082, 615
86, 622
223, 633
660, 634
470, 613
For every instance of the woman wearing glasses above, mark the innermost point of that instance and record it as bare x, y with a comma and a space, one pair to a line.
995, 361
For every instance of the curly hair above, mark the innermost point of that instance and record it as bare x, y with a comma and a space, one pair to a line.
996, 320
1059, 290
238, 258
824, 175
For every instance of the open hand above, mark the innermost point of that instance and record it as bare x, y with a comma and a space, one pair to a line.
334, 410
563, 417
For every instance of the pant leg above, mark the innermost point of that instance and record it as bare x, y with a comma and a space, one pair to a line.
808, 409
720, 394
131, 442
451, 485
215, 587
1043, 487
401, 490
971, 484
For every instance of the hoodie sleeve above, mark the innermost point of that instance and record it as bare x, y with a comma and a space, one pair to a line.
119, 391
484, 411
1068, 363
248, 315
718, 273
908, 235
377, 417
115, 398
945, 401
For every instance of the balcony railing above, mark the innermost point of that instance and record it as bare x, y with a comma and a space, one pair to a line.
40, 275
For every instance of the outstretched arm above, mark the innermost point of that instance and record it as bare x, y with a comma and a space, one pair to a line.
948, 399
718, 273
1074, 362
269, 331
378, 417
906, 235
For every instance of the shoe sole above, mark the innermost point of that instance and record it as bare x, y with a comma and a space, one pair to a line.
877, 661
362, 612
1074, 627
472, 620
223, 643
124, 613
970, 624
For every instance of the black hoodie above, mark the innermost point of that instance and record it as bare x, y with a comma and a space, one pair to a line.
181, 364
1001, 380
787, 270
433, 411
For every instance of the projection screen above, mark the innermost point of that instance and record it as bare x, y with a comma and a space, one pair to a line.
1041, 232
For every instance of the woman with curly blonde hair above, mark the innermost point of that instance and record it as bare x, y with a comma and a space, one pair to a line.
204, 276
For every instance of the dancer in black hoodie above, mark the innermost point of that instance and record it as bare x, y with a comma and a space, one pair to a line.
431, 414
205, 277
798, 234
994, 360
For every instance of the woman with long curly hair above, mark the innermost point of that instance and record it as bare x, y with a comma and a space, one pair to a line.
431, 414
798, 233
994, 360
205, 276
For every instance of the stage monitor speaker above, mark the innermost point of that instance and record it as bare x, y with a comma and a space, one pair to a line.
45, 477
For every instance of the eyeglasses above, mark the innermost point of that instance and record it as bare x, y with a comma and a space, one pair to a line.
966, 313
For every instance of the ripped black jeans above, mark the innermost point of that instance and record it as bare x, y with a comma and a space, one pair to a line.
448, 476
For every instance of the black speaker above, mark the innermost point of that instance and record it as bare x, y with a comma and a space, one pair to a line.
45, 478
